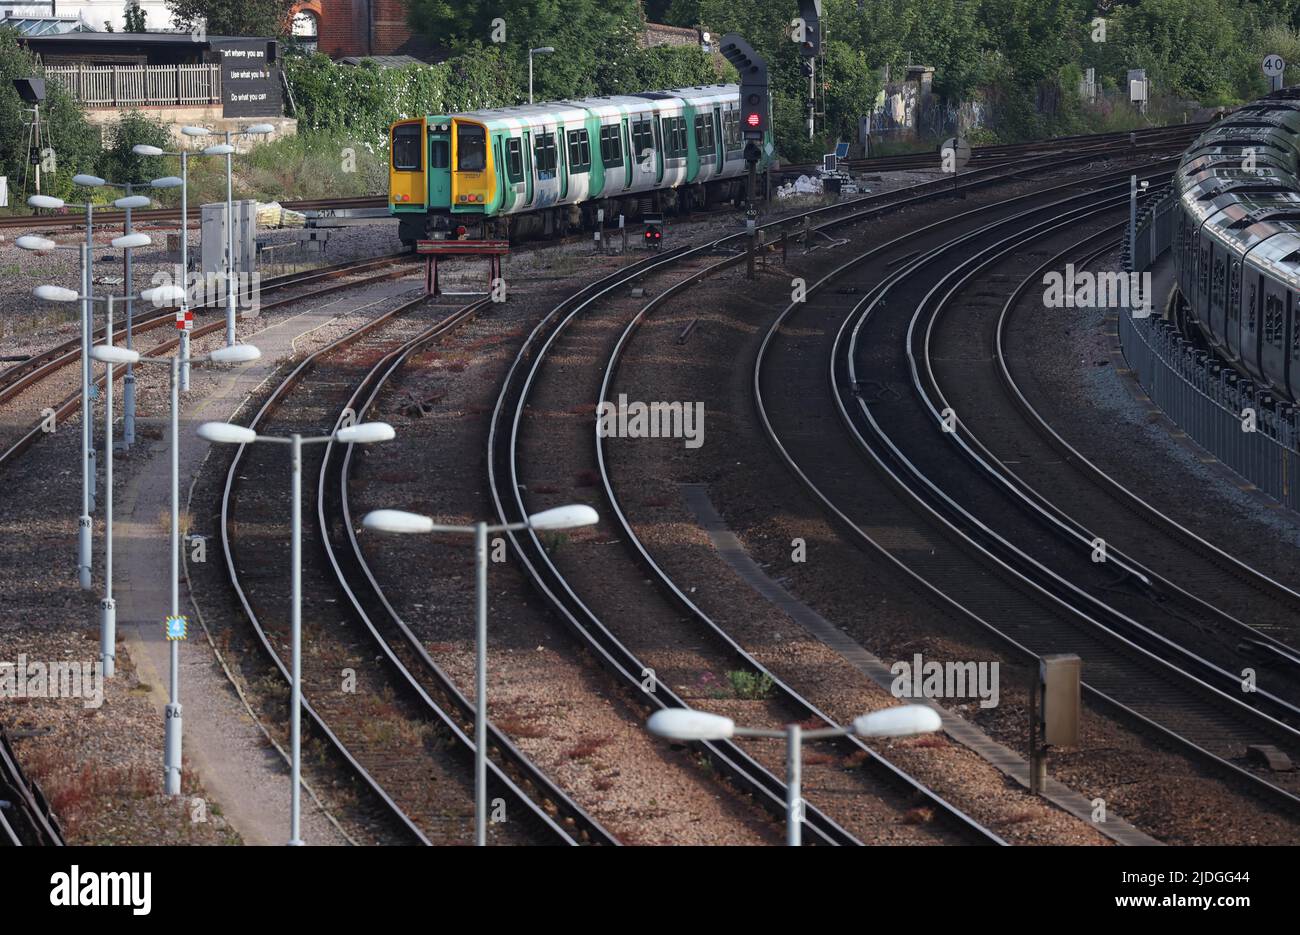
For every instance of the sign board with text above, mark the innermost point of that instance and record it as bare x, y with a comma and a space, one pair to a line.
250, 77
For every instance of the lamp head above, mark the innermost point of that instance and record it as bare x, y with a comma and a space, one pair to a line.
32, 242
144, 149
365, 433
564, 517
224, 433
87, 181
235, 354
398, 521
111, 354
55, 294
131, 240
688, 724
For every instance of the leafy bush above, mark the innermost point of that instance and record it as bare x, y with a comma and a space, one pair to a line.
118, 163
751, 686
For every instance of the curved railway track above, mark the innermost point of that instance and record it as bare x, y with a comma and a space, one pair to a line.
504, 468
870, 376
373, 608
417, 778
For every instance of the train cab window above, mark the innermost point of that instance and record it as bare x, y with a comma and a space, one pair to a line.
579, 151
611, 146
1273, 319
406, 147
642, 138
515, 160
705, 144
544, 155
674, 130
471, 148
439, 154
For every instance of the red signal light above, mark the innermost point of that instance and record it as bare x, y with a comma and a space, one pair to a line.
753, 120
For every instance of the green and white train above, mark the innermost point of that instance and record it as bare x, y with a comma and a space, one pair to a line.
537, 169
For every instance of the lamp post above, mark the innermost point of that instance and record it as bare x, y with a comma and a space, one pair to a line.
108, 607
183, 183
398, 521
86, 297
544, 50
688, 724
227, 149
236, 354
362, 433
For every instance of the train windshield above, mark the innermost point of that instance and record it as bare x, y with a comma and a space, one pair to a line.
406, 147
471, 148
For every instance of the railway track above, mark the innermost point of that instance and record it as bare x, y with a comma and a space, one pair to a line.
1177, 551
507, 480
1224, 644
871, 379
26, 819
422, 773
112, 218
373, 607
42, 370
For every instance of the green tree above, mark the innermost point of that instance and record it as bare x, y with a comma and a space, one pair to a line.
233, 17
74, 141
135, 17
118, 163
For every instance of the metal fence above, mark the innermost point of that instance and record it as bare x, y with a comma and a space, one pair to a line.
1243, 425
139, 85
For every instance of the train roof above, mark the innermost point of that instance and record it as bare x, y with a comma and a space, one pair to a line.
576, 110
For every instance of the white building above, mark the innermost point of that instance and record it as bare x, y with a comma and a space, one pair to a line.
94, 13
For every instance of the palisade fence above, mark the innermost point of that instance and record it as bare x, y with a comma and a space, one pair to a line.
1215, 405
139, 85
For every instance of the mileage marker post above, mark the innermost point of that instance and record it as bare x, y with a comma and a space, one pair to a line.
364, 433
398, 521
688, 724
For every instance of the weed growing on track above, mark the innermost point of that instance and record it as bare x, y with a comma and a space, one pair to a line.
750, 686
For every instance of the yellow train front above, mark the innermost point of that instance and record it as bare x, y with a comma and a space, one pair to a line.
539, 169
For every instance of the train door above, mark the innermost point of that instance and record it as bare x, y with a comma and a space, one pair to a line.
528, 166
629, 158
1293, 342
1272, 346
562, 160
1218, 289
440, 167
1250, 326
659, 149
1232, 316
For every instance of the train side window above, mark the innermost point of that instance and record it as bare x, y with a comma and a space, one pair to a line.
439, 154
731, 131
544, 155
471, 148
611, 146
1216, 293
1205, 269
579, 151
674, 130
642, 138
515, 160
704, 141
1273, 320
406, 147
1250, 309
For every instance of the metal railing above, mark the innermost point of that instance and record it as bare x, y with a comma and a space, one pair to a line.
1243, 425
139, 85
